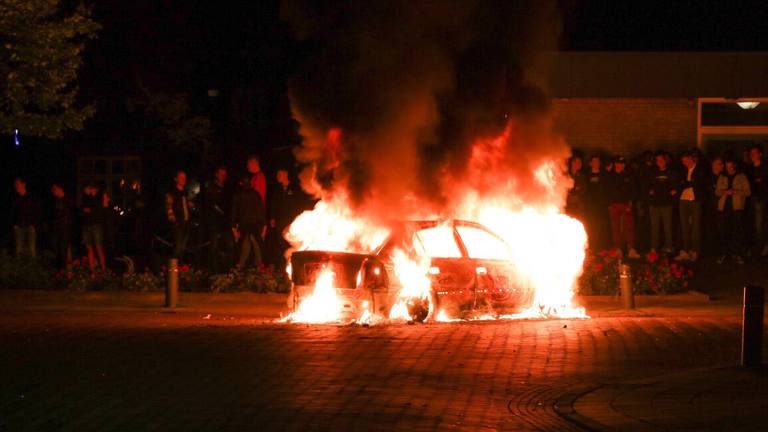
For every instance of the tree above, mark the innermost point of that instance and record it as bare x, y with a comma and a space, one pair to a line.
174, 121
40, 54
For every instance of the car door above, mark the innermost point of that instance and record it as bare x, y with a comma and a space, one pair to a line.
492, 265
451, 272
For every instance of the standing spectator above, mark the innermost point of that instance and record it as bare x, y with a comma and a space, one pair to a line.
178, 208
216, 221
693, 192
575, 199
712, 240
732, 190
26, 220
596, 205
621, 196
92, 222
249, 222
643, 175
662, 189
258, 180
61, 225
758, 179
284, 206
111, 221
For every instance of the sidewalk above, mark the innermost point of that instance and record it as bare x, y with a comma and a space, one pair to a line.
728, 398
274, 305
247, 304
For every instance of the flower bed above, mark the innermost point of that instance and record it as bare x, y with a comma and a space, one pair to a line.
26, 273
654, 275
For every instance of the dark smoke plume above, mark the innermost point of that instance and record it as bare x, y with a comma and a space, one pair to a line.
394, 96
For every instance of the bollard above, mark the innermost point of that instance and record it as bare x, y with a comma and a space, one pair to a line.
752, 326
625, 285
172, 287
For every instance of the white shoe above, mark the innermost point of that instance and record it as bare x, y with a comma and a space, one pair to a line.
632, 254
682, 256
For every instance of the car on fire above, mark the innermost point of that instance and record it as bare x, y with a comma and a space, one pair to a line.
470, 271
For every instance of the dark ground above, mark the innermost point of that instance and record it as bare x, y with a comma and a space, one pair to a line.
101, 362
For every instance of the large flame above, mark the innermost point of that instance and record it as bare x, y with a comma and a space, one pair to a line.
546, 247
324, 305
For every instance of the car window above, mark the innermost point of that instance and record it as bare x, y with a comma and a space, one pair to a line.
439, 242
481, 244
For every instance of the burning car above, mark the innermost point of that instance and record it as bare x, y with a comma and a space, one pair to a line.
421, 269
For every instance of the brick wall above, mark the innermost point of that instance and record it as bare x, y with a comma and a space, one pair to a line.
626, 126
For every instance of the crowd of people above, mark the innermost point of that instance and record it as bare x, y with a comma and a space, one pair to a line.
681, 207
239, 224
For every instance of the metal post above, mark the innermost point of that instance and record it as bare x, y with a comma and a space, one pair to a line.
172, 288
752, 326
625, 285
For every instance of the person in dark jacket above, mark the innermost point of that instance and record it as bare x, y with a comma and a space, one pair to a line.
216, 220
575, 200
249, 222
178, 208
26, 220
621, 196
92, 226
758, 179
661, 193
284, 206
62, 215
596, 204
693, 190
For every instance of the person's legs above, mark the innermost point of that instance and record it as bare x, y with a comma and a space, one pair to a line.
655, 215
686, 210
758, 212
737, 232
245, 249
696, 228
18, 239
32, 241
98, 244
666, 216
628, 226
615, 212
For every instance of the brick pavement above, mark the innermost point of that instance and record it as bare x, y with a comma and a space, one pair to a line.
134, 370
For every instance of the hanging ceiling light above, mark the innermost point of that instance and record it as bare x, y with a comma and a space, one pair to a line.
748, 104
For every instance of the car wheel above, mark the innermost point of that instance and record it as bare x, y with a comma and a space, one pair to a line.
421, 310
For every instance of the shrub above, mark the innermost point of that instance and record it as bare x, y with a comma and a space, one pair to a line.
25, 273
653, 276
143, 282
260, 280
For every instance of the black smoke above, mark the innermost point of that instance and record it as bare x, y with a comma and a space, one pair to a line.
412, 86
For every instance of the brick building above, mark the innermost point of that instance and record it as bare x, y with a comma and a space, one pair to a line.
627, 102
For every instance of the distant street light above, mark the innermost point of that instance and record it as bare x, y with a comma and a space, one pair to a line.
747, 105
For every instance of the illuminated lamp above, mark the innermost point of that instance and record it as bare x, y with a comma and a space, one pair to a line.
747, 105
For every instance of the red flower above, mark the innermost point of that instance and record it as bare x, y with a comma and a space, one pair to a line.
603, 253
653, 257
598, 267
76, 262
690, 273
612, 252
184, 268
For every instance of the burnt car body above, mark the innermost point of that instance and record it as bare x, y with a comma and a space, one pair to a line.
470, 272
